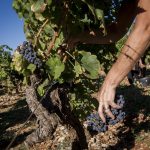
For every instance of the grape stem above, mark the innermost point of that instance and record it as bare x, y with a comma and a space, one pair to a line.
65, 59
39, 32
56, 34
52, 42
70, 55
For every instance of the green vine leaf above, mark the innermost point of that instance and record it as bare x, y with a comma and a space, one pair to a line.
41, 88
91, 8
91, 64
49, 2
26, 72
3, 74
78, 69
31, 67
55, 66
99, 14
39, 17
18, 62
42, 44
16, 5
39, 6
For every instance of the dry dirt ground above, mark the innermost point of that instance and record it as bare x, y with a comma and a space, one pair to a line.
133, 134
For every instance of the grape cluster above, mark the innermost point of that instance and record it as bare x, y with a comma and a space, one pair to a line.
27, 51
96, 124
115, 5
118, 113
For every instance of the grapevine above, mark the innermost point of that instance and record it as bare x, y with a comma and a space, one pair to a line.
48, 26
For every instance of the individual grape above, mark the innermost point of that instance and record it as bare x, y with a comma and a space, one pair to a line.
114, 112
25, 43
111, 122
105, 128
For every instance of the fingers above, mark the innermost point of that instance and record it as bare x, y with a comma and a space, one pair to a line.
105, 107
109, 113
101, 114
114, 105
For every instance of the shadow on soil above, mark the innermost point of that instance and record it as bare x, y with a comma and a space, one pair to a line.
15, 116
136, 103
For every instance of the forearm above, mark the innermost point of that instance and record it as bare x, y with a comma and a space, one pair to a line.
135, 46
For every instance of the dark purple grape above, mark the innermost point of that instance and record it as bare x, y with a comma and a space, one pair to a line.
25, 43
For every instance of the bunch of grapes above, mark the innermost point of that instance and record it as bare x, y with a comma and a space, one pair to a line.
96, 124
115, 5
118, 113
27, 51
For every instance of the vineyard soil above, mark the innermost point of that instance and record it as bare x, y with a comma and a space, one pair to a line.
132, 134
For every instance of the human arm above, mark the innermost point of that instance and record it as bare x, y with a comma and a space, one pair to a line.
135, 46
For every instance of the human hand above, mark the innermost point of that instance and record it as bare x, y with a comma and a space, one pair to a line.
106, 97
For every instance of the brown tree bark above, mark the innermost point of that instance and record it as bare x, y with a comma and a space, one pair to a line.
54, 111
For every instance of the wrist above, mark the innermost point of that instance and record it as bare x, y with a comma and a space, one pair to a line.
110, 82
